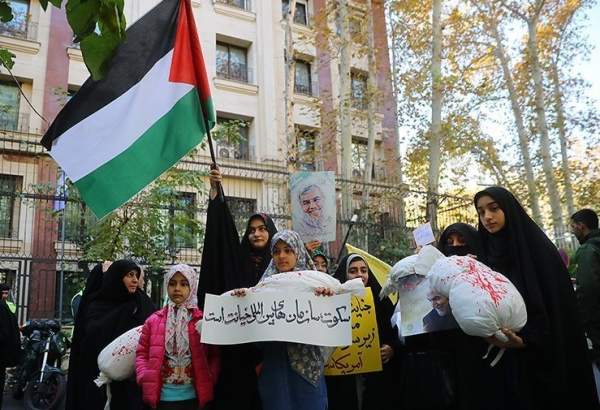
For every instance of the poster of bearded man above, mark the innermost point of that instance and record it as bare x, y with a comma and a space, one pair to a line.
313, 205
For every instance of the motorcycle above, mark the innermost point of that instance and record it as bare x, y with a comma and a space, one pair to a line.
40, 380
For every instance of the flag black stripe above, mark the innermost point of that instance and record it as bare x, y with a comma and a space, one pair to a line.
148, 40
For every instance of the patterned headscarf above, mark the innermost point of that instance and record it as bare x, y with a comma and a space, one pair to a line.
306, 360
177, 342
293, 240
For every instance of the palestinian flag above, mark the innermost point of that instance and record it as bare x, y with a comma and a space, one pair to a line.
117, 135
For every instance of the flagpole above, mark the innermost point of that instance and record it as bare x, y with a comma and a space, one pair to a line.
213, 157
352, 222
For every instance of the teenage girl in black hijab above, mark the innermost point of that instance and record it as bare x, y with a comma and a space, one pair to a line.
546, 364
116, 306
379, 393
255, 246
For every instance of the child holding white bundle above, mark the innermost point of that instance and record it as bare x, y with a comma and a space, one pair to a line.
176, 370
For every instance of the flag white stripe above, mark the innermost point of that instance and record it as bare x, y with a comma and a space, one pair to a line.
111, 130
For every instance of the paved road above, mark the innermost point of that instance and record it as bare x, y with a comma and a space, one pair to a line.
10, 404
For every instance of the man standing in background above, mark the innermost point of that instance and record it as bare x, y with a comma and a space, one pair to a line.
584, 225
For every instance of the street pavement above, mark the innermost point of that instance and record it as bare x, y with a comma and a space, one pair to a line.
11, 404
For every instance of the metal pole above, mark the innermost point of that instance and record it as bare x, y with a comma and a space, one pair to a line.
352, 222
62, 252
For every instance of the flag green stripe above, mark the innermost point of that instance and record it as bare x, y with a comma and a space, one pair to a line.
209, 108
158, 149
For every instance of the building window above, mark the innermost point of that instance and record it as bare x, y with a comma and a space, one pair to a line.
241, 209
306, 149
359, 159
301, 14
181, 208
232, 139
19, 26
359, 91
10, 187
10, 97
240, 4
302, 80
232, 62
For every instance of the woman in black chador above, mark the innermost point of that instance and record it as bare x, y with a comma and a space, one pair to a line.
228, 264
375, 391
546, 364
111, 305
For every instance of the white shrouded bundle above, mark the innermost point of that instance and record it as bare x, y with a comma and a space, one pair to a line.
116, 361
308, 281
482, 301
418, 264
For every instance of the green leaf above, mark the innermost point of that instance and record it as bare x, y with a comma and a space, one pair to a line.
98, 51
6, 14
55, 3
111, 17
7, 58
83, 16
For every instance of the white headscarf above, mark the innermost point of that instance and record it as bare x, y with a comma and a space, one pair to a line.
177, 342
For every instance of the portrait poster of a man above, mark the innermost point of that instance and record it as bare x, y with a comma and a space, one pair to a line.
313, 205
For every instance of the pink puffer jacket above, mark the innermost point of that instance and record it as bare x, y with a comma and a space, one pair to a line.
150, 355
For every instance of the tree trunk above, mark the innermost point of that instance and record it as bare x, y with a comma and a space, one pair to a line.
436, 116
518, 114
345, 105
290, 77
395, 87
542, 127
562, 135
371, 112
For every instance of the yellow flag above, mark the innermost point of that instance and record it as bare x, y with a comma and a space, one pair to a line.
379, 268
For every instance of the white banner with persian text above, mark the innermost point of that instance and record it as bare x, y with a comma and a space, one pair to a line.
299, 317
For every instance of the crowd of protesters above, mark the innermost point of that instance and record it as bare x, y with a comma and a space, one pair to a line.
550, 363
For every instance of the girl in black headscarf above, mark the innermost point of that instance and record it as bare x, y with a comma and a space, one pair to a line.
116, 306
546, 364
379, 392
460, 239
256, 245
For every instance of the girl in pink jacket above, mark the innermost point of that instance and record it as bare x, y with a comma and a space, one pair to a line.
173, 368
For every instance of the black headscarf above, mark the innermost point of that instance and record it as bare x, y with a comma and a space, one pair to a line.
556, 359
470, 235
107, 310
255, 261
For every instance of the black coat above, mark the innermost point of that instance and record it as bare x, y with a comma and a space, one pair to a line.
10, 339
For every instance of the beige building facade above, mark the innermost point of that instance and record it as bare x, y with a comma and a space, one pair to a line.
243, 42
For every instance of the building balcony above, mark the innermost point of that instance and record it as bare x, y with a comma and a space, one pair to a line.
307, 90
14, 122
235, 72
